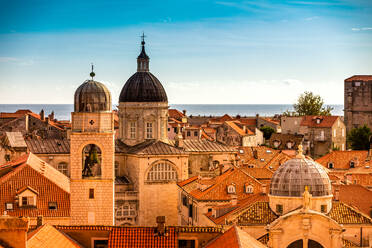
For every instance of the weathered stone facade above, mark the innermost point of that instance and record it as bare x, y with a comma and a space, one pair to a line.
358, 101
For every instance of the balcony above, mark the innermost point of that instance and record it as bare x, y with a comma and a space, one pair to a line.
126, 196
319, 138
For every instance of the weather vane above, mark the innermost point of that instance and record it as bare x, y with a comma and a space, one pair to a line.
143, 38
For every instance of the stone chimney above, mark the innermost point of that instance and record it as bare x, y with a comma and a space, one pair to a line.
179, 138
160, 229
337, 193
42, 115
234, 199
264, 189
184, 112
39, 221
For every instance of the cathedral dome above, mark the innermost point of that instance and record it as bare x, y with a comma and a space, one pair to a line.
291, 178
143, 86
92, 96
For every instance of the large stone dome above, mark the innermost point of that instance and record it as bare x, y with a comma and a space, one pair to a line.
143, 87
92, 96
290, 179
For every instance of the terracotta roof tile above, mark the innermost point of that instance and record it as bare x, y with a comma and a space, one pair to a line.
356, 196
239, 130
174, 113
258, 173
326, 121
341, 159
228, 239
344, 214
51, 185
48, 236
359, 78
141, 237
217, 189
283, 139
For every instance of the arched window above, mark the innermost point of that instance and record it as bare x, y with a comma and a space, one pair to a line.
249, 189
162, 171
92, 158
126, 211
63, 168
231, 189
330, 165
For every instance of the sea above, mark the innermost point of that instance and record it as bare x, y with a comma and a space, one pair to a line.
63, 111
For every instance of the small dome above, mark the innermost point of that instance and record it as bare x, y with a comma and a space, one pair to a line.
92, 96
291, 178
143, 86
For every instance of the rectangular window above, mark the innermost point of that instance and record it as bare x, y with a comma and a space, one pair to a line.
195, 133
9, 206
334, 133
343, 132
175, 129
188, 133
132, 129
323, 208
52, 205
149, 130
186, 243
279, 209
91, 193
24, 201
184, 200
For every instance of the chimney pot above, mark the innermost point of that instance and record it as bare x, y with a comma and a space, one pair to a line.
39, 221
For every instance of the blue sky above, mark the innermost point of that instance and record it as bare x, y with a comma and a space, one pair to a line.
202, 51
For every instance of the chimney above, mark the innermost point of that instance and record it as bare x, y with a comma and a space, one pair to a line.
337, 193
264, 189
244, 129
160, 229
179, 138
234, 199
42, 116
39, 221
255, 154
184, 112
220, 166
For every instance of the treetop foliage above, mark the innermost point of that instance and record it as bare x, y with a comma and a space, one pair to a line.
309, 104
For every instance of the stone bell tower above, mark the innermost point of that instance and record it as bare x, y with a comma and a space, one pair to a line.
143, 105
92, 155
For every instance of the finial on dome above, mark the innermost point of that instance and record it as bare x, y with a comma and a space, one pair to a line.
143, 39
300, 151
92, 74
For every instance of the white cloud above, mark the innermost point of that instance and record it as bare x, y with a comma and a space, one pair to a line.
362, 29
311, 18
17, 61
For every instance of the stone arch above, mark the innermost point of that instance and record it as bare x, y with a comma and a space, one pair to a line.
310, 244
158, 173
91, 157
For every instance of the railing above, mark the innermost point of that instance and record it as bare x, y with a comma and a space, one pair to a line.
319, 138
126, 196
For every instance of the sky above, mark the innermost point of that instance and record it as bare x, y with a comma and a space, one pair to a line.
203, 52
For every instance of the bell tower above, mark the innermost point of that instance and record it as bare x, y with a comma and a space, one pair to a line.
92, 154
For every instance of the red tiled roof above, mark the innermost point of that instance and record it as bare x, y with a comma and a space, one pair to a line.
344, 214
356, 196
218, 186
239, 130
197, 145
258, 173
359, 78
326, 121
228, 239
187, 181
174, 113
18, 113
341, 159
23, 175
48, 146
141, 237
48, 236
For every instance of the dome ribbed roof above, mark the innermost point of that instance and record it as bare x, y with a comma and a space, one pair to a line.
92, 96
143, 87
291, 178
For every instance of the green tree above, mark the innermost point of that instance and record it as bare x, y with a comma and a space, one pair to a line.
309, 104
358, 138
267, 131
